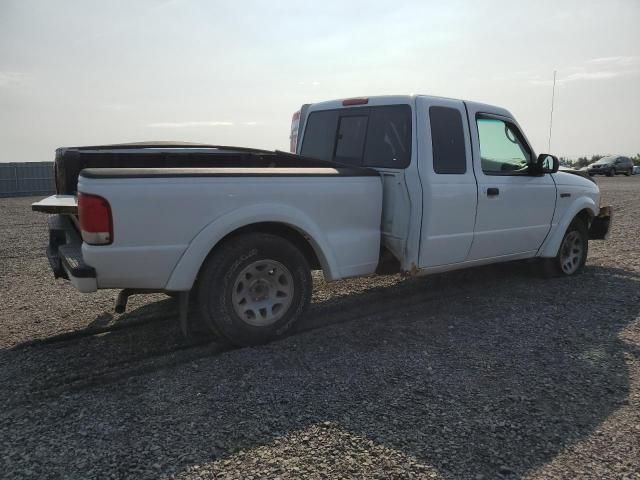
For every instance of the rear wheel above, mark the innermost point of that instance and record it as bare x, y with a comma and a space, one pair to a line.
253, 288
629, 172
573, 251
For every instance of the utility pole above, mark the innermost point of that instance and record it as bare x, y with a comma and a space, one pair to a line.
553, 95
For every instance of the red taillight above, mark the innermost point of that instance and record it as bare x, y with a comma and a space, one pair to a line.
355, 101
96, 224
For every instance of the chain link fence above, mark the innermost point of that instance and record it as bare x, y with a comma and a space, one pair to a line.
30, 178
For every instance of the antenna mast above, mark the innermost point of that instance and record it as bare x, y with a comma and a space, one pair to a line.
553, 95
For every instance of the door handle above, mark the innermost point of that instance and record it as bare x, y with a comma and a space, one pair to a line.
492, 192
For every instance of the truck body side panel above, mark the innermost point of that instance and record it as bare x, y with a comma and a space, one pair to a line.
164, 227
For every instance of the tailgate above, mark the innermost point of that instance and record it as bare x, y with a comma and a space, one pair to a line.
62, 204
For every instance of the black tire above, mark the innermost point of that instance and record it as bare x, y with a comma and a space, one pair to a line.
221, 272
629, 172
611, 172
554, 266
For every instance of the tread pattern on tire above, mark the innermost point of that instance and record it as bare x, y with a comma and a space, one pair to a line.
217, 277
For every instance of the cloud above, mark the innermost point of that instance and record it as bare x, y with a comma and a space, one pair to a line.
190, 124
590, 76
618, 61
574, 77
115, 107
313, 83
602, 68
8, 79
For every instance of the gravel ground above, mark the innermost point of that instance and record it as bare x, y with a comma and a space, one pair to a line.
485, 373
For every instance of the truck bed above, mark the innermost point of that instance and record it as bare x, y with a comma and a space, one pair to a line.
69, 162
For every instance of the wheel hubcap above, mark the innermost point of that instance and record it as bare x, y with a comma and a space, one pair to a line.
263, 292
571, 252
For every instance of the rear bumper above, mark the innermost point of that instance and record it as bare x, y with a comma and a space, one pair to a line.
601, 225
65, 254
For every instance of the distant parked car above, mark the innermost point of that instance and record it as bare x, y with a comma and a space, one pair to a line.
636, 170
611, 166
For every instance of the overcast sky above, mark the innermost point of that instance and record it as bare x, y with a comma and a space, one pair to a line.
92, 72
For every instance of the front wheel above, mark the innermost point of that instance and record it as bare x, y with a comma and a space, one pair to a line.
253, 288
573, 251
611, 172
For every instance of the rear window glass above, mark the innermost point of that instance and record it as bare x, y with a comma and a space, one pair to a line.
350, 142
389, 137
447, 141
366, 136
320, 135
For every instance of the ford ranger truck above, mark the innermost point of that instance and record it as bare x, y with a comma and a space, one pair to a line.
412, 184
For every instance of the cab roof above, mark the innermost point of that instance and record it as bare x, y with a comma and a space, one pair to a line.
378, 100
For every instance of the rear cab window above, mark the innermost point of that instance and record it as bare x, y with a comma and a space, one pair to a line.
377, 136
320, 135
352, 130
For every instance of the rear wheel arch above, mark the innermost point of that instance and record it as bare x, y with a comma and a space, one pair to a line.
301, 240
288, 223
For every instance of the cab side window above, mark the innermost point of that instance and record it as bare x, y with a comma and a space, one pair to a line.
503, 150
447, 141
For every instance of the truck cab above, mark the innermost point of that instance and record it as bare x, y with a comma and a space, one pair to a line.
461, 182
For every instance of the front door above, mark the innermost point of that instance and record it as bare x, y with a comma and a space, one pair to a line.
515, 207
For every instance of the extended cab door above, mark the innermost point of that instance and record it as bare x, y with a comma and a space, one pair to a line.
448, 183
515, 207
375, 133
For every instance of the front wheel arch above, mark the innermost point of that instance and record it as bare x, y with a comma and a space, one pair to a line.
583, 207
573, 250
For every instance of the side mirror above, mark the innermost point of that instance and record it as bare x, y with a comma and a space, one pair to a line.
547, 163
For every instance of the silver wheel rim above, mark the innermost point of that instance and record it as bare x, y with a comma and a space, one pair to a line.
262, 292
571, 252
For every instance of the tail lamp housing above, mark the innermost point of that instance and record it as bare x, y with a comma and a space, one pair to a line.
96, 223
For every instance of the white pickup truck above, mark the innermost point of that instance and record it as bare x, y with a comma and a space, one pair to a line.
412, 184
